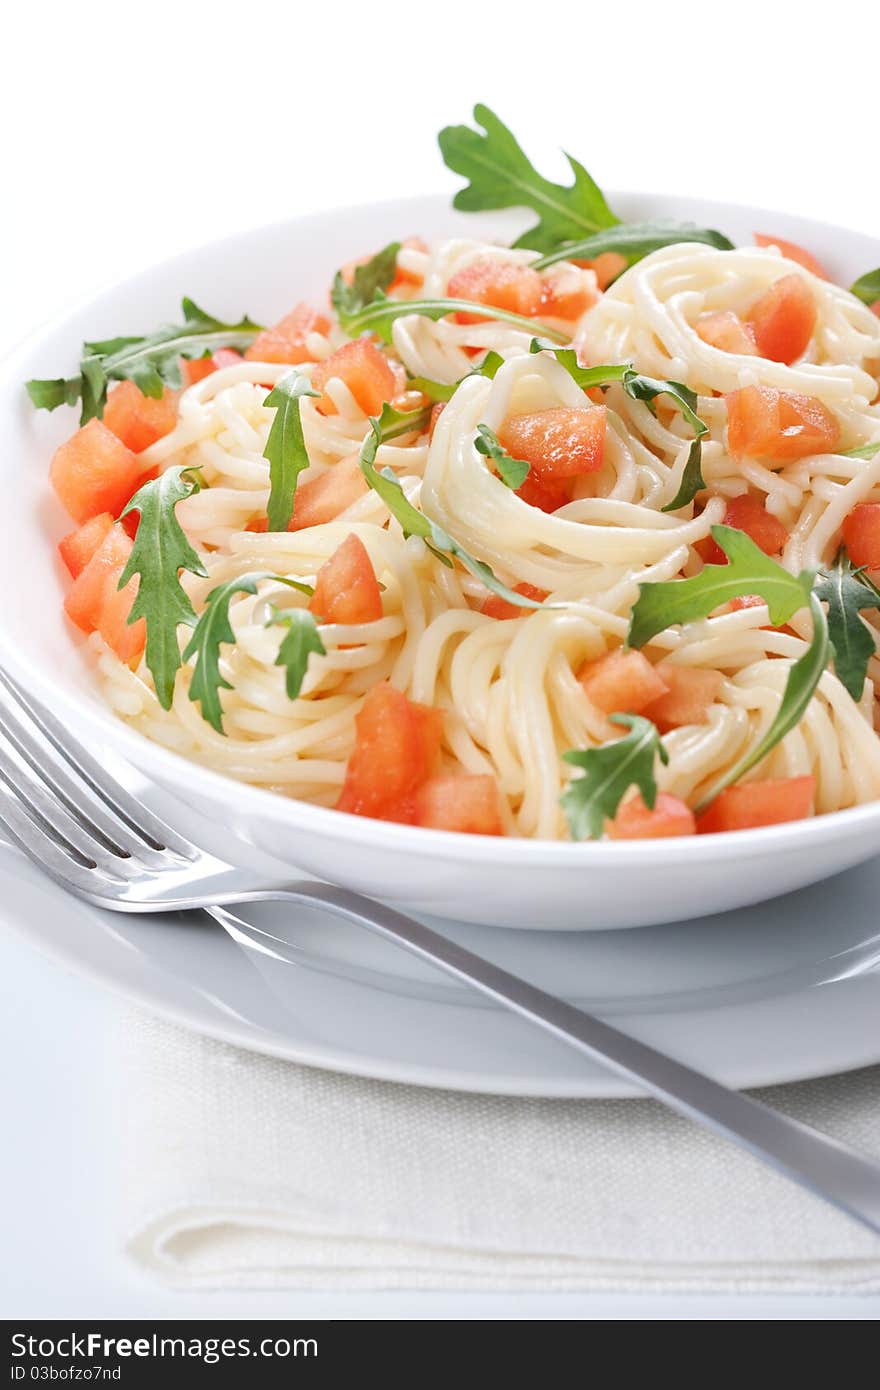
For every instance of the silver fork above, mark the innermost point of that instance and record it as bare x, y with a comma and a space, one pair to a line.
89, 834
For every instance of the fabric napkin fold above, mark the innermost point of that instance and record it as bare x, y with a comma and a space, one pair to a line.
244, 1171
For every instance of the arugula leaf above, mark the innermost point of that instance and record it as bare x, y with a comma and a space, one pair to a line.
854, 642
748, 571
151, 362
378, 316
634, 240
512, 472
444, 391
803, 678
643, 388
501, 176
286, 448
301, 639
415, 523
867, 287
862, 451
608, 773
212, 629
366, 282
160, 551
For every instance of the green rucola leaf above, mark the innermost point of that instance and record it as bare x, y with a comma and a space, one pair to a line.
390, 424
152, 362
299, 642
379, 315
867, 287
749, 571
608, 773
803, 678
444, 391
862, 451
285, 448
500, 175
512, 472
633, 241
854, 642
211, 631
159, 553
367, 281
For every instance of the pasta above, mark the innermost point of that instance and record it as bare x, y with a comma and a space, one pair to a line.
514, 691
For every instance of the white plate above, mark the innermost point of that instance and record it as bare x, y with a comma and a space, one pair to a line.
772, 993
524, 883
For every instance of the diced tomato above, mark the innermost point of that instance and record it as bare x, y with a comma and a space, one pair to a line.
322, 499
496, 607
764, 422
94, 472
139, 420
286, 341
606, 267
126, 639
397, 746
783, 319
861, 535
746, 601
94, 602
366, 372
547, 496
566, 292
748, 514
875, 307
690, 690
752, 804
793, 252
194, 369
79, 546
468, 803
563, 442
436, 411
346, 588
670, 816
229, 357
501, 284
622, 682
726, 330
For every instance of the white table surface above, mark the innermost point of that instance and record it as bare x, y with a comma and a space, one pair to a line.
174, 172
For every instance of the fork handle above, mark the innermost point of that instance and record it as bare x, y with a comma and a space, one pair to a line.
837, 1174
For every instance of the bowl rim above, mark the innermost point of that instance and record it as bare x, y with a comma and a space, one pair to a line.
365, 832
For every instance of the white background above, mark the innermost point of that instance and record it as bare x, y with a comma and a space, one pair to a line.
133, 131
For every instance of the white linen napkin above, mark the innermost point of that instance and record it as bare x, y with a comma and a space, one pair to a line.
243, 1171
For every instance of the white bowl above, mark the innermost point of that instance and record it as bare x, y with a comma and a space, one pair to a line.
516, 883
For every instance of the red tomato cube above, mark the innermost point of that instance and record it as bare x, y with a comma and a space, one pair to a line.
501, 284
468, 803
748, 514
725, 330
623, 682
764, 422
861, 535
563, 442
95, 472
79, 546
634, 821
496, 607
346, 588
366, 372
783, 319
139, 420
397, 746
690, 690
793, 252
752, 804
286, 341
